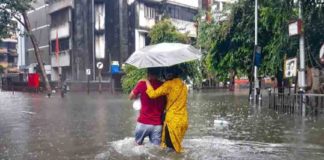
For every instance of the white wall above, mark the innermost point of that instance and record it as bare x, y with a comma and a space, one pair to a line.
63, 31
139, 39
21, 48
63, 59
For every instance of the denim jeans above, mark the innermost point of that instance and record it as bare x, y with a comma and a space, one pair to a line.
146, 130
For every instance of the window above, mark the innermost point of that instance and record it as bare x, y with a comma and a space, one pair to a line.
64, 44
100, 16
100, 46
3, 57
11, 45
149, 12
60, 18
181, 13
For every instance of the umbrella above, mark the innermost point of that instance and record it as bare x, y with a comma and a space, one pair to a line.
163, 55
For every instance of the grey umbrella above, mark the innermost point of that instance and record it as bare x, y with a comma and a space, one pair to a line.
163, 55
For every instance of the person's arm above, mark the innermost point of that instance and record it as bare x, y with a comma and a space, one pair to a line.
132, 96
161, 91
136, 91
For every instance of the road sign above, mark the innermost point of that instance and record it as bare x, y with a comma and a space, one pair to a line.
257, 56
291, 67
88, 72
295, 28
100, 65
321, 55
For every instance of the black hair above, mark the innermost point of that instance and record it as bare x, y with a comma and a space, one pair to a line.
153, 71
174, 70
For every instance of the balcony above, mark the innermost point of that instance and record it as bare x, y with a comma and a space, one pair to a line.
153, 1
4, 64
56, 5
3, 50
13, 52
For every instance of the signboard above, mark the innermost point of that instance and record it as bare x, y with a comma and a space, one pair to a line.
295, 28
257, 56
291, 67
115, 67
321, 54
88, 72
33, 80
100, 65
48, 69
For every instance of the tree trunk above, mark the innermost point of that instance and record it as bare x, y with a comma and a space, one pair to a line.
232, 80
37, 54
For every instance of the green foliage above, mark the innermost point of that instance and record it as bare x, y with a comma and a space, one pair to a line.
132, 76
11, 10
2, 69
229, 45
313, 16
165, 31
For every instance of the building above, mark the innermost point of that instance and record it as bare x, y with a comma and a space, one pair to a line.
89, 31
92, 31
39, 21
8, 55
219, 9
145, 13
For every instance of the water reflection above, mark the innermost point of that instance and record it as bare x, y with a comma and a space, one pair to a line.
222, 125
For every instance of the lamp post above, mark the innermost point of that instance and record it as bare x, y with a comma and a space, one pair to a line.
301, 75
256, 81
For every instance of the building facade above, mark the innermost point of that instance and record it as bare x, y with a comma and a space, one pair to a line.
88, 31
92, 31
39, 21
9, 55
144, 14
219, 9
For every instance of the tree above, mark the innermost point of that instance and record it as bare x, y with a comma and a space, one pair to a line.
14, 9
232, 45
163, 31
313, 15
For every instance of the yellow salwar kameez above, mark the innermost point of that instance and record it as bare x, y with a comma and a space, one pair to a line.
176, 110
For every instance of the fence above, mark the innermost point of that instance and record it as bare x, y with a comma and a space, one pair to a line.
304, 104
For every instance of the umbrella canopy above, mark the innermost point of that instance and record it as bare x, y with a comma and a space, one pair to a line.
163, 55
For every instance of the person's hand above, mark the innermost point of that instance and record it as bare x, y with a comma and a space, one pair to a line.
148, 83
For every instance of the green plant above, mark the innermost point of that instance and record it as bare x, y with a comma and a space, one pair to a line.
132, 76
163, 31
1, 69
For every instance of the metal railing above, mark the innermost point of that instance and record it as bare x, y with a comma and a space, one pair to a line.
304, 104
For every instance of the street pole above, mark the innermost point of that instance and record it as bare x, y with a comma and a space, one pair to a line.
93, 41
88, 84
301, 74
100, 85
256, 82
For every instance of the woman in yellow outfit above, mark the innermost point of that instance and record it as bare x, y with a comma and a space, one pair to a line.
176, 119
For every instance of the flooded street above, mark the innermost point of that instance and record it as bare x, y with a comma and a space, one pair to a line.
222, 125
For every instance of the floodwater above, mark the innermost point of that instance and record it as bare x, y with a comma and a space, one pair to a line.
222, 126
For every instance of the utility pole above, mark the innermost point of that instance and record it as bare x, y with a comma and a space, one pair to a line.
301, 74
256, 81
93, 40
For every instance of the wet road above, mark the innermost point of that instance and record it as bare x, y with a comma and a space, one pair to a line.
222, 126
